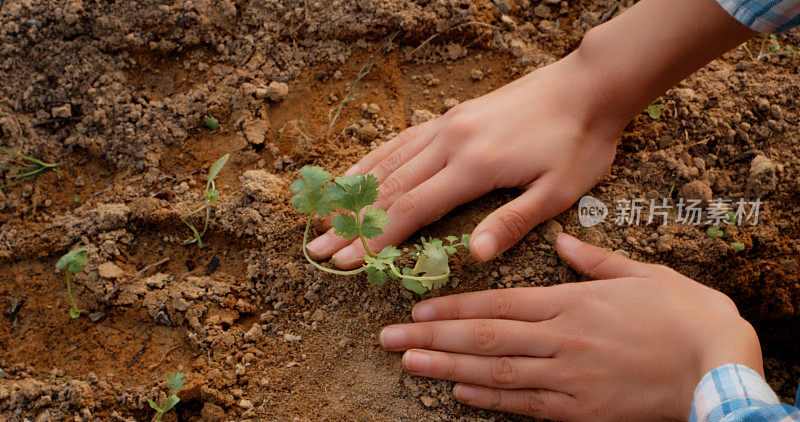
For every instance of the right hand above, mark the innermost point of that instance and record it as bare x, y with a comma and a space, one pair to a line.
548, 133
632, 345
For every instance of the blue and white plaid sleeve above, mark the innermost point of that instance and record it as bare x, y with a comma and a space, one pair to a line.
765, 16
736, 393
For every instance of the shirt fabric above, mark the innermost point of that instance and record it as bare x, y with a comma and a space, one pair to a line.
736, 393
764, 16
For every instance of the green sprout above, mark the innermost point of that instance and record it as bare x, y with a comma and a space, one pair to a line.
175, 382
211, 123
351, 198
717, 232
654, 111
73, 262
210, 197
34, 168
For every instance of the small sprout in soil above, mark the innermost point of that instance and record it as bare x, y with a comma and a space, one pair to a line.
737, 246
351, 198
715, 232
654, 111
211, 123
175, 382
73, 262
33, 168
210, 197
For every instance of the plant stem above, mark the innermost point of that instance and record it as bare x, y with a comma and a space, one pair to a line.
317, 265
363, 239
420, 278
69, 293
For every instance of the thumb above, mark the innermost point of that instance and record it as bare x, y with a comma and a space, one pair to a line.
511, 222
597, 263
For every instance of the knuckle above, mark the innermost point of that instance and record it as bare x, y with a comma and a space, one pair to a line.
390, 187
461, 125
536, 403
504, 371
407, 203
428, 336
484, 337
500, 305
391, 163
513, 224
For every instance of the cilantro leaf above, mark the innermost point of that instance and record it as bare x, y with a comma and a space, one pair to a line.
359, 191
372, 221
451, 239
345, 226
432, 262
383, 259
414, 285
311, 193
376, 276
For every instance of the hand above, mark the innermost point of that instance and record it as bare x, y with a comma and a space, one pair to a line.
551, 132
632, 346
541, 133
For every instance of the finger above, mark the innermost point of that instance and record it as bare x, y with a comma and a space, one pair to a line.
486, 337
595, 262
511, 222
422, 205
395, 152
539, 403
524, 304
324, 246
498, 372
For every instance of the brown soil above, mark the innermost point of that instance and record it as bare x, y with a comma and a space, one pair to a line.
259, 333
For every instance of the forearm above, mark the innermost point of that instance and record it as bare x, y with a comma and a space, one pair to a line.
652, 46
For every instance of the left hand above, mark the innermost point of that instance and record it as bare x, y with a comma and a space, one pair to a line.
632, 346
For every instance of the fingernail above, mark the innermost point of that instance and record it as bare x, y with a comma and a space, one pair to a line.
485, 246
567, 244
318, 245
418, 362
346, 255
352, 170
423, 312
393, 338
465, 392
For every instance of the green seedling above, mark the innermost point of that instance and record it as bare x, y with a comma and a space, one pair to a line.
175, 382
210, 197
351, 199
211, 123
33, 168
73, 262
717, 232
654, 111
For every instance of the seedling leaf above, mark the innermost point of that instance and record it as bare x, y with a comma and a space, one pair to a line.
154, 405
654, 111
432, 262
359, 191
311, 194
372, 221
345, 226
211, 123
73, 261
175, 381
74, 313
170, 403
737, 246
216, 168
414, 285
376, 276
